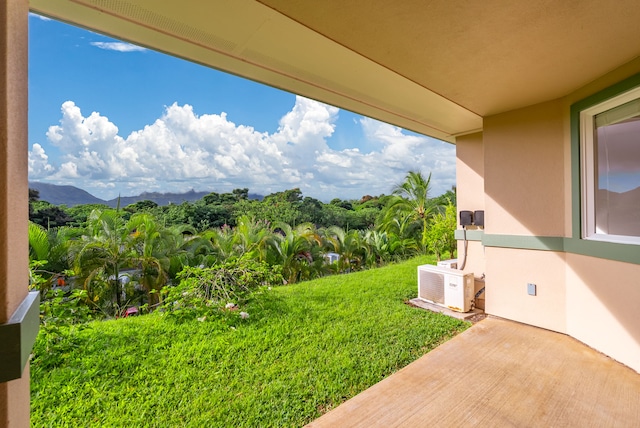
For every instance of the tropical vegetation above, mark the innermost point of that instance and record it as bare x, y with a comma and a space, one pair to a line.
133, 256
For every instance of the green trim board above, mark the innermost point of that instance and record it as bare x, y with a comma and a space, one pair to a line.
543, 243
471, 235
576, 180
18, 336
627, 253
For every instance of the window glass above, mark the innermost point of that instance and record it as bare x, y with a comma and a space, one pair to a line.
610, 166
617, 193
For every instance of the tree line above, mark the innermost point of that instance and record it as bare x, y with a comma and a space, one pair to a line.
129, 255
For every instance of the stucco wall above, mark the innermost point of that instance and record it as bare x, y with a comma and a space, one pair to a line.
470, 196
524, 182
470, 172
524, 171
508, 273
476, 264
603, 306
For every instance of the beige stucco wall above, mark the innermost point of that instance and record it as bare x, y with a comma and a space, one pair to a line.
470, 172
470, 196
476, 264
603, 306
524, 171
14, 395
508, 273
524, 184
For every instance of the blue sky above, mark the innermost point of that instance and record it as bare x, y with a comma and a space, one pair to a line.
113, 118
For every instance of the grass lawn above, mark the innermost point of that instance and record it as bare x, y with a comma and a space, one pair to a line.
305, 349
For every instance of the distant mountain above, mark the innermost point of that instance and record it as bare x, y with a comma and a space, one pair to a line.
64, 195
159, 198
617, 213
71, 196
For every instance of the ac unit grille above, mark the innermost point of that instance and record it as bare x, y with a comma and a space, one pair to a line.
432, 286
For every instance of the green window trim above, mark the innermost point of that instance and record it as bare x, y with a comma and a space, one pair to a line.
628, 253
576, 176
18, 336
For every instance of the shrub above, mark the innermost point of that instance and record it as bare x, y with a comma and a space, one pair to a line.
58, 308
210, 290
441, 234
60, 317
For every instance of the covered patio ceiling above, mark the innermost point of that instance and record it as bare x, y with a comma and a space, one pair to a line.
435, 67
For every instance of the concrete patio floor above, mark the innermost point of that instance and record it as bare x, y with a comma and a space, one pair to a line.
500, 373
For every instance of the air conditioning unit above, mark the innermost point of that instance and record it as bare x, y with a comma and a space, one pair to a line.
450, 288
451, 263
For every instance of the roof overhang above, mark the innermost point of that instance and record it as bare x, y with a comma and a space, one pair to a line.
249, 39
434, 67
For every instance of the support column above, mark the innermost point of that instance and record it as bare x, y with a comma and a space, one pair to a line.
14, 17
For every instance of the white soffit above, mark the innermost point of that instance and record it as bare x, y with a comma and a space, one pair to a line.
251, 40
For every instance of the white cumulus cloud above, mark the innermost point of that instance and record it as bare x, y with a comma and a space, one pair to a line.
118, 46
182, 150
379, 171
39, 162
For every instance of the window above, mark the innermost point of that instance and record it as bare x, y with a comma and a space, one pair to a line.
610, 163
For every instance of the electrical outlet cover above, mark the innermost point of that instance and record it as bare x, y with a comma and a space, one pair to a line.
531, 289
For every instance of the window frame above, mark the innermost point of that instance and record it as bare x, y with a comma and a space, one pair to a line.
588, 168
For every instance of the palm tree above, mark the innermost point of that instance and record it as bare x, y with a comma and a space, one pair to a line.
38, 255
402, 230
383, 247
221, 242
250, 238
297, 250
60, 241
349, 245
38, 242
101, 253
189, 249
412, 203
153, 248
51, 249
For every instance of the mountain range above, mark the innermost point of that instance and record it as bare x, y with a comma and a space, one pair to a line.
71, 196
617, 213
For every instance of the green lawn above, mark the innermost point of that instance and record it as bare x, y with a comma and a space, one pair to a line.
305, 349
